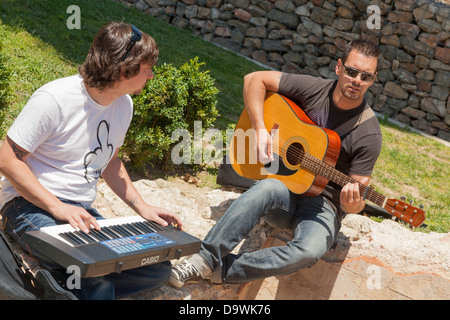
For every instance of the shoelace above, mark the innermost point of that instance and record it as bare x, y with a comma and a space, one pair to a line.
187, 270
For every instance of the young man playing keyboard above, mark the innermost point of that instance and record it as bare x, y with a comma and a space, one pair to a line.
66, 137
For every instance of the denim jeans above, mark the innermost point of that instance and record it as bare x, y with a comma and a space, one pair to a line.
20, 216
316, 225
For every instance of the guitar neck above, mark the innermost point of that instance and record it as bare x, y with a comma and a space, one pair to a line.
315, 165
412, 215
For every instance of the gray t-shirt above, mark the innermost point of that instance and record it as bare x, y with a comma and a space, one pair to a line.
360, 147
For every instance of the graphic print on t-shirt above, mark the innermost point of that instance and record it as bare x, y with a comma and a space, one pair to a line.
95, 161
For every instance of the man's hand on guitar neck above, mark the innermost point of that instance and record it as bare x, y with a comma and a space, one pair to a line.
350, 198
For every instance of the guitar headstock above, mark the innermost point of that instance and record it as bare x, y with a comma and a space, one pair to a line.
406, 212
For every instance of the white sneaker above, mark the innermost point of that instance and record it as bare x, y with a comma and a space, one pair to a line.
185, 272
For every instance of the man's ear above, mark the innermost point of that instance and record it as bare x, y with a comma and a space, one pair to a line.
338, 67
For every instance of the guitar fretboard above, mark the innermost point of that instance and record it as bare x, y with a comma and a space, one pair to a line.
315, 165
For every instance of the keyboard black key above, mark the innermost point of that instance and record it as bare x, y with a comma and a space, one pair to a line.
144, 227
125, 227
99, 235
69, 236
130, 227
110, 232
155, 226
137, 227
84, 236
121, 231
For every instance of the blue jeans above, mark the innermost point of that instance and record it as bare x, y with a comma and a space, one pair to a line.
316, 225
20, 216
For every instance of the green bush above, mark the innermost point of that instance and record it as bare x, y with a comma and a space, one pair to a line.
5, 85
173, 99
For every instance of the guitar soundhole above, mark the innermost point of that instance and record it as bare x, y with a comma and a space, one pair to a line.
294, 154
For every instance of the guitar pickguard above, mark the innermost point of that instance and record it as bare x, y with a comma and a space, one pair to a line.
277, 167
289, 161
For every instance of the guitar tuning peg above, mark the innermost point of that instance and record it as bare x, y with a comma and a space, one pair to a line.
411, 202
403, 198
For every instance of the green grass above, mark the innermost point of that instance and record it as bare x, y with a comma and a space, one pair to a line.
418, 168
40, 48
40, 26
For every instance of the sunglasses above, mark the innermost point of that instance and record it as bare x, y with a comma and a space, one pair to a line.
136, 36
353, 73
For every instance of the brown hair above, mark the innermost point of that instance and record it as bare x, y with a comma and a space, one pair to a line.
103, 66
366, 47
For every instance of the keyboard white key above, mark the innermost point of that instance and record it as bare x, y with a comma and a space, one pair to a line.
108, 233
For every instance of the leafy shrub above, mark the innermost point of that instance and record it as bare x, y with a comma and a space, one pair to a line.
173, 99
5, 85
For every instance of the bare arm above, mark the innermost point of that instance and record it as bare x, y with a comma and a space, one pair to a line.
117, 178
13, 167
256, 85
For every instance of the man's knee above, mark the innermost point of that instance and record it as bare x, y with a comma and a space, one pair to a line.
271, 187
304, 256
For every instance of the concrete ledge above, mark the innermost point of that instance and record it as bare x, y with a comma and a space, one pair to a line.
358, 278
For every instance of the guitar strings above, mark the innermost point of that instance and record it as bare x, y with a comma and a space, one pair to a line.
307, 160
342, 178
372, 195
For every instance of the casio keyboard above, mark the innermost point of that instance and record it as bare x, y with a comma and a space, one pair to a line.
121, 244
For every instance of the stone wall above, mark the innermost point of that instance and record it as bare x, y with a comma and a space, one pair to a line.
413, 83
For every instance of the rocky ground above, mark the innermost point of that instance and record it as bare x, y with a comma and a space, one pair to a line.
371, 260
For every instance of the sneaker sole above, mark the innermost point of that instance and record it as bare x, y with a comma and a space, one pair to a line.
178, 284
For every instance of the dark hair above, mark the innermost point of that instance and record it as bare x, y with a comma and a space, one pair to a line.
104, 66
366, 47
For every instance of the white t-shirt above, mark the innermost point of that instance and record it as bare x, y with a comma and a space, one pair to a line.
71, 138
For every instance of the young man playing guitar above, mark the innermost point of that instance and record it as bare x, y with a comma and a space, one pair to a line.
329, 104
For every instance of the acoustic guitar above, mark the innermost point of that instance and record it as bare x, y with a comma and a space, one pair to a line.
304, 156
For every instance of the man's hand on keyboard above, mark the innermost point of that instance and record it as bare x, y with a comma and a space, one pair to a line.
76, 216
161, 216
